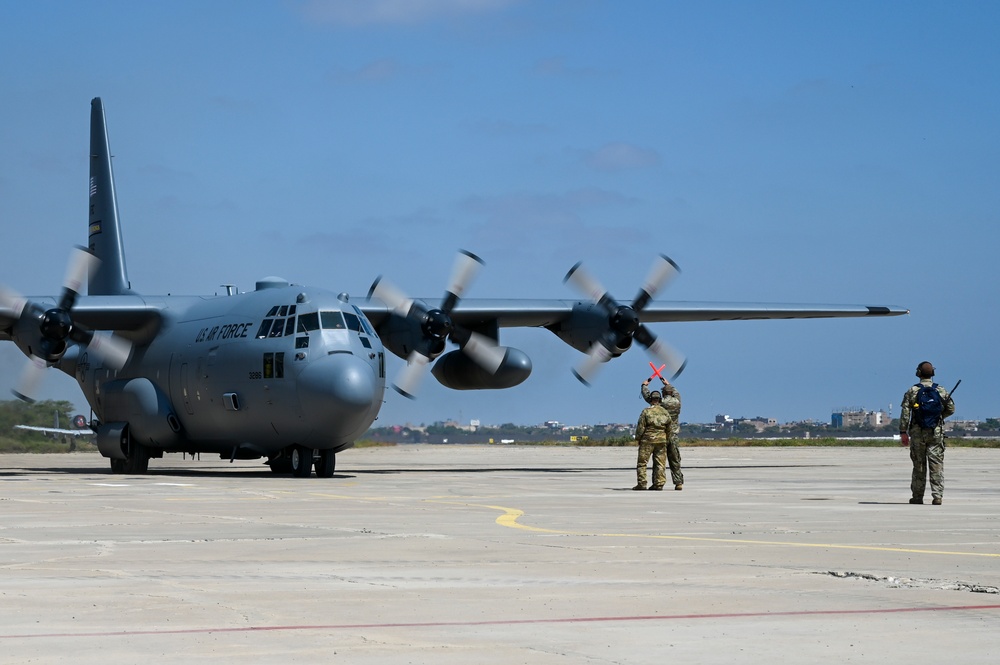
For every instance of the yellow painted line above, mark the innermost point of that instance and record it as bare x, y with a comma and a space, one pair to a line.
511, 516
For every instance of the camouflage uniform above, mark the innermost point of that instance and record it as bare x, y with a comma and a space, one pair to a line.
926, 443
672, 403
651, 432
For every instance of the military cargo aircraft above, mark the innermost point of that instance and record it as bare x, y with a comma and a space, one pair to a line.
294, 374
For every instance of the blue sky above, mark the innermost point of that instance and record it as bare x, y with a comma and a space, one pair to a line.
841, 152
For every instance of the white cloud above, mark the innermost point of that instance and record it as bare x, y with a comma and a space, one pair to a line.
620, 157
374, 12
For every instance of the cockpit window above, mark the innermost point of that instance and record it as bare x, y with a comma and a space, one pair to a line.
273, 311
283, 310
278, 329
265, 326
364, 321
309, 322
332, 320
290, 326
353, 322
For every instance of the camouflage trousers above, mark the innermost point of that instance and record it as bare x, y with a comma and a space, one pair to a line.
927, 454
658, 451
674, 460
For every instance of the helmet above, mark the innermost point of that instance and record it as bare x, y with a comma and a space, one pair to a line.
655, 395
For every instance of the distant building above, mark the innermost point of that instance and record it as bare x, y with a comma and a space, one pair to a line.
961, 425
759, 423
858, 417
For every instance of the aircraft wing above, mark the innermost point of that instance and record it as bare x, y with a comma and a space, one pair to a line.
56, 430
601, 328
118, 313
538, 313
132, 316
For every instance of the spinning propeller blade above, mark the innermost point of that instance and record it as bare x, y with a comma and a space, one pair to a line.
31, 379
625, 321
436, 325
56, 327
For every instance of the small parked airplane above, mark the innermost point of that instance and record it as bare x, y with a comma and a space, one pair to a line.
81, 428
294, 374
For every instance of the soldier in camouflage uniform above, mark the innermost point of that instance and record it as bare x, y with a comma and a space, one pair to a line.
652, 432
926, 443
671, 401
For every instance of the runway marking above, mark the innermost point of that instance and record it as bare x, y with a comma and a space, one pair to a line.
506, 622
511, 515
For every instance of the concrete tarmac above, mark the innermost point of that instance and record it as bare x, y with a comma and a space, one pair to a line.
501, 554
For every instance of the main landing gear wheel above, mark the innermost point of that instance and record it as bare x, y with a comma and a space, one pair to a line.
137, 462
302, 461
326, 463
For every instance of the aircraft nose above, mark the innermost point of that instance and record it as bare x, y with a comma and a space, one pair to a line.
340, 392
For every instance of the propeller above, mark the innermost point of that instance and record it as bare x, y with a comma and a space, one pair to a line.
436, 325
624, 322
56, 327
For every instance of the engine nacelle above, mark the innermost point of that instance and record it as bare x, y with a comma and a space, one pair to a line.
458, 371
402, 335
149, 414
586, 324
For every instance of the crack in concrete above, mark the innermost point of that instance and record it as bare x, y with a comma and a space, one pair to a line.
914, 583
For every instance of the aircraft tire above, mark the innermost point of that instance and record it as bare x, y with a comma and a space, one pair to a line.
117, 466
137, 462
326, 464
302, 461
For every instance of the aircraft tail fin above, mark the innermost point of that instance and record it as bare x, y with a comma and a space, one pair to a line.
110, 278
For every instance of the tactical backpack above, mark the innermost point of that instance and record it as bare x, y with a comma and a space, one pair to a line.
927, 406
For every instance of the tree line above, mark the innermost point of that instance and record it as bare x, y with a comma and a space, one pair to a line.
39, 414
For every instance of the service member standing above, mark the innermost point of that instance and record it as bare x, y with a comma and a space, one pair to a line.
652, 432
924, 408
671, 401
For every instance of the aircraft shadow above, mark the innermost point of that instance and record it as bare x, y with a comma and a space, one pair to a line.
152, 473
243, 472
883, 503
